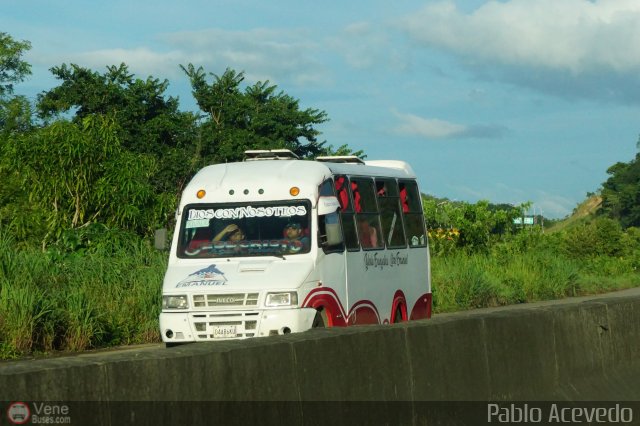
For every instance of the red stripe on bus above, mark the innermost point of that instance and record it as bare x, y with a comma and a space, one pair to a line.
422, 308
364, 312
327, 298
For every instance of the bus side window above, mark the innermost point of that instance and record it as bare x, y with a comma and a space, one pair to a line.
326, 189
329, 229
346, 213
367, 216
390, 216
413, 215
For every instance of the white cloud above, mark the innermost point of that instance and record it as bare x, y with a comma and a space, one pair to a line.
141, 61
576, 36
435, 128
263, 54
430, 128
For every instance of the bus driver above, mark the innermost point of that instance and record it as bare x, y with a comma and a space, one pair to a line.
294, 233
230, 233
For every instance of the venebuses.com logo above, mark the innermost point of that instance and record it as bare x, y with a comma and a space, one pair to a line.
19, 413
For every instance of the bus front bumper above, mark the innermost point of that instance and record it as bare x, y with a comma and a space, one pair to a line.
183, 327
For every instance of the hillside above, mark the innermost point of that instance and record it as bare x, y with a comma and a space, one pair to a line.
581, 213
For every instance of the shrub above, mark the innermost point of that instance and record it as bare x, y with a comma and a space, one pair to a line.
601, 237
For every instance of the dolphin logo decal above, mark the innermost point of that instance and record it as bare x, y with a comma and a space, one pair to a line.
209, 271
209, 276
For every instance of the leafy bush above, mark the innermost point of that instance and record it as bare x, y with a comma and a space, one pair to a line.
601, 237
472, 227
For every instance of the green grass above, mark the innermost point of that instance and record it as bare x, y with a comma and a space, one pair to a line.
72, 302
110, 293
466, 281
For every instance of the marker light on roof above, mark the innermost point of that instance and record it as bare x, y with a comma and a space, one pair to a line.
294, 190
201, 193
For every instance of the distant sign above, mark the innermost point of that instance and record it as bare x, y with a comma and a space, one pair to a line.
527, 220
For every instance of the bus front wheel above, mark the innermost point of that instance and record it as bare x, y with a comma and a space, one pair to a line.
320, 320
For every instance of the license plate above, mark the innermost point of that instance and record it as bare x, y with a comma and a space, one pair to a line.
224, 331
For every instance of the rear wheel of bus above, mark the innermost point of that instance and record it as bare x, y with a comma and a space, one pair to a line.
397, 316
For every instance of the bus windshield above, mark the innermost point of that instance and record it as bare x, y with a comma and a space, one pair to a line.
245, 229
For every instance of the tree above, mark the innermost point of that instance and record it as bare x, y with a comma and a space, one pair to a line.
149, 122
77, 173
12, 68
343, 150
15, 111
621, 193
256, 118
15, 119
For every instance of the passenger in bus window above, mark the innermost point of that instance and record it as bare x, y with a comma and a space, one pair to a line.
404, 198
296, 238
368, 234
343, 196
231, 232
356, 197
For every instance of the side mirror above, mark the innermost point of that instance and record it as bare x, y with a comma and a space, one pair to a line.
327, 205
160, 239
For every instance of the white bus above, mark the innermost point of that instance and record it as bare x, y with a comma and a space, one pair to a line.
275, 245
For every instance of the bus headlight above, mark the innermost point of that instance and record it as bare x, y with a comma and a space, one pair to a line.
175, 302
285, 298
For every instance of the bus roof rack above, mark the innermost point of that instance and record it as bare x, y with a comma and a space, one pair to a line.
340, 159
269, 154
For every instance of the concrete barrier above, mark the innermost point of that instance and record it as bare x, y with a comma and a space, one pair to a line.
582, 349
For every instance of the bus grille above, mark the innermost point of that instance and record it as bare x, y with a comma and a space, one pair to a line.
222, 300
222, 326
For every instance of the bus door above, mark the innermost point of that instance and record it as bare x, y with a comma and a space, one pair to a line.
331, 298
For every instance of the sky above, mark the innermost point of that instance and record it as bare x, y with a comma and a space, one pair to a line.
509, 101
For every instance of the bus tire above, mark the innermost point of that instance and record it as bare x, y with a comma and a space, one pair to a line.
172, 345
397, 316
320, 320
